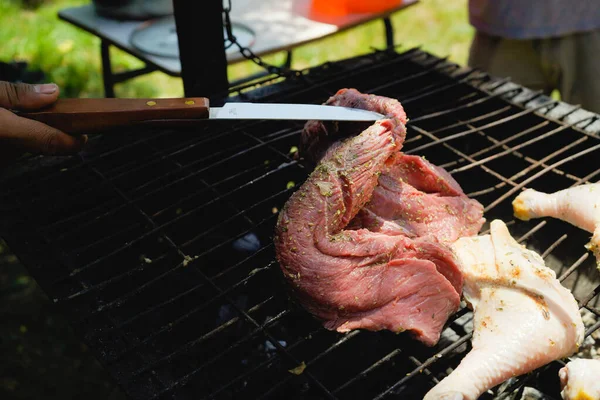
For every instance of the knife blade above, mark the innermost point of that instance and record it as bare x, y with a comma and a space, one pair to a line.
284, 111
79, 116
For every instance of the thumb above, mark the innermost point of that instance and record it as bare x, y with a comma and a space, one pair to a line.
26, 96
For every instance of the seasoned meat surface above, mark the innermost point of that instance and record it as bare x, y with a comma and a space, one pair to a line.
354, 251
318, 136
415, 198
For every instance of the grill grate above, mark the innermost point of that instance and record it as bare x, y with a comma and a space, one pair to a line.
158, 245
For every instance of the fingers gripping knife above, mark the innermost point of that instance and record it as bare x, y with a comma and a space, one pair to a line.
78, 116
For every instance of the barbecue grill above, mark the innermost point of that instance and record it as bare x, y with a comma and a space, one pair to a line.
157, 244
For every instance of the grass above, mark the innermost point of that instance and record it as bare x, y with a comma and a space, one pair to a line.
71, 57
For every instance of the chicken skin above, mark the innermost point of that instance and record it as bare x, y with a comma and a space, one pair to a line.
580, 380
579, 206
523, 317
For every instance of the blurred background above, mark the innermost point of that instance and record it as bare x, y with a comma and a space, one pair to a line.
71, 57
40, 358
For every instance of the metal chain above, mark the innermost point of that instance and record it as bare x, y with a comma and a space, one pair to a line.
246, 52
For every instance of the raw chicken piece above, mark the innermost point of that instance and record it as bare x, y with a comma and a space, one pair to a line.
580, 380
579, 206
523, 317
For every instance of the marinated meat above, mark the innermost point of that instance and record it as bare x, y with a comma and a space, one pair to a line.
361, 275
415, 198
318, 136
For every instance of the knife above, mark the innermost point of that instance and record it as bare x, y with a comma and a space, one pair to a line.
78, 116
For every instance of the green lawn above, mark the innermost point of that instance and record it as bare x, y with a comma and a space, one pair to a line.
71, 57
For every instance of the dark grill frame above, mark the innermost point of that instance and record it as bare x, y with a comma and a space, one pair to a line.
111, 235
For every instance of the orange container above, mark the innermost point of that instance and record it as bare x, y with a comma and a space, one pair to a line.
336, 8
371, 6
329, 7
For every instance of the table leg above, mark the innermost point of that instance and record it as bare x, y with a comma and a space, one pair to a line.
288, 59
389, 32
107, 75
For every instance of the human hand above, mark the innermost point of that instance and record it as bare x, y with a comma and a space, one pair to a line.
20, 135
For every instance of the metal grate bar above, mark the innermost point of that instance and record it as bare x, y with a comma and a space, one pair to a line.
185, 379
461, 154
157, 306
472, 120
175, 204
267, 219
471, 104
148, 283
367, 370
215, 164
473, 130
83, 160
510, 150
455, 104
594, 327
497, 143
186, 167
420, 95
138, 166
573, 267
166, 224
426, 370
426, 364
540, 173
460, 313
533, 230
554, 246
260, 366
427, 71
592, 309
247, 317
188, 346
182, 381
191, 175
114, 211
542, 162
168, 326
583, 302
334, 346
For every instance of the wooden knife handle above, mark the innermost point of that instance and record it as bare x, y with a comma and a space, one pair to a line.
79, 116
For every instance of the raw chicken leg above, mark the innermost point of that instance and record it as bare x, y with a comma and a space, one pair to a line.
580, 380
523, 317
579, 206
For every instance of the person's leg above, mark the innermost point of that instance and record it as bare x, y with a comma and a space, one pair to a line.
516, 59
578, 57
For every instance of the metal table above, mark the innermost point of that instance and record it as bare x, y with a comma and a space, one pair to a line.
278, 25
